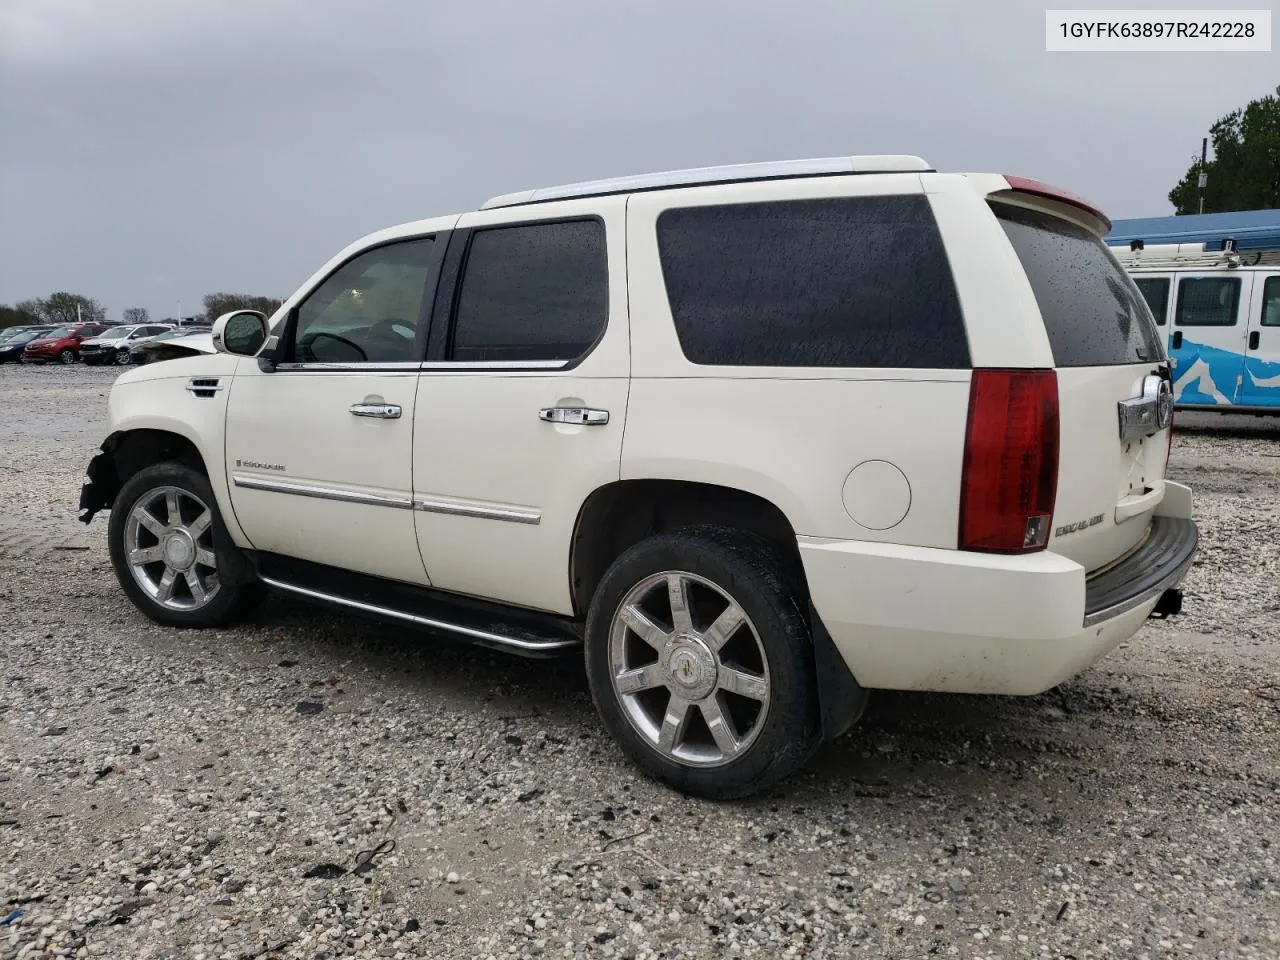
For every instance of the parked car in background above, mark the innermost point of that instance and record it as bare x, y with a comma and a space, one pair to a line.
8, 333
187, 341
12, 345
62, 343
115, 345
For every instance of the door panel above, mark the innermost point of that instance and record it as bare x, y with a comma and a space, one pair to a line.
1209, 335
531, 315
319, 449
1261, 384
499, 489
311, 480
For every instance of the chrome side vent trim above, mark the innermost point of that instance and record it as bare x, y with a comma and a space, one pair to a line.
204, 386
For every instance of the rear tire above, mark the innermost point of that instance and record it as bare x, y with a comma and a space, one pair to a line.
720, 702
162, 538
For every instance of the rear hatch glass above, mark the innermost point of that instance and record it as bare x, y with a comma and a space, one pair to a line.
1092, 311
1104, 345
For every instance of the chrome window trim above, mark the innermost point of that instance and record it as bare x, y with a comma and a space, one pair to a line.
454, 508
477, 365
483, 635
272, 485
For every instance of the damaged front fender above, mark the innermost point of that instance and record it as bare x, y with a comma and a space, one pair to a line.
102, 482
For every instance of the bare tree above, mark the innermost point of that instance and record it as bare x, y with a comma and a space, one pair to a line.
136, 315
63, 308
216, 304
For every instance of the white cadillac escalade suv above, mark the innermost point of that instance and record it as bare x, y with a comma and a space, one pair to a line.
756, 439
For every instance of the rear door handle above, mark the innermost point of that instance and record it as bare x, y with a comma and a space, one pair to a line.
1254, 339
382, 411
584, 416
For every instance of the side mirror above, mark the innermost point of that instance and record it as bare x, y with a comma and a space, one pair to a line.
241, 332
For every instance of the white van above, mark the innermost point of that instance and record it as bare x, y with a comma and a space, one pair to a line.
1221, 312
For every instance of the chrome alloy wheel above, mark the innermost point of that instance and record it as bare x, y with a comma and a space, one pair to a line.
169, 546
689, 669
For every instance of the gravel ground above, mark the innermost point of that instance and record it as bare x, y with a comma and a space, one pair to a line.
315, 785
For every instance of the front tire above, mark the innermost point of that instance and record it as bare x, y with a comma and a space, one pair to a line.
122, 358
162, 545
700, 662
67, 356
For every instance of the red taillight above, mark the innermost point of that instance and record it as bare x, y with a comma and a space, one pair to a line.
1010, 478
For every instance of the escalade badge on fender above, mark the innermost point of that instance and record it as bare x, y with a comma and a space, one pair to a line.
1152, 411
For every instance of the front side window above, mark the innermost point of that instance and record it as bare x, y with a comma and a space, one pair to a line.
537, 291
1155, 290
1271, 302
369, 310
1208, 301
837, 282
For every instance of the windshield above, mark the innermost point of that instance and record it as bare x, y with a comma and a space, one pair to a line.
25, 336
58, 333
117, 334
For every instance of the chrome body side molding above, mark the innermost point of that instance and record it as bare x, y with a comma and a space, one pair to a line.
299, 489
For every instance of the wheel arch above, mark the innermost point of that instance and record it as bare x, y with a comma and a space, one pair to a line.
619, 514
124, 453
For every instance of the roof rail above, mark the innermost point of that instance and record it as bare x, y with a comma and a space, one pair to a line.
697, 176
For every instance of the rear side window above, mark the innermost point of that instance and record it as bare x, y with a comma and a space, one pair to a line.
537, 291
1208, 301
1093, 314
1271, 302
835, 282
1155, 290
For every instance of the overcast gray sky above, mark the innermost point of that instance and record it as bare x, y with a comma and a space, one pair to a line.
153, 151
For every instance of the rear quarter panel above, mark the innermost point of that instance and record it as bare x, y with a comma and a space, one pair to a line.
793, 435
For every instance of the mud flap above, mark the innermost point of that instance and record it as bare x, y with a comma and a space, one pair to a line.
841, 699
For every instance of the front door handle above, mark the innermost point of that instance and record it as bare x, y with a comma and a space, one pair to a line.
1177, 340
378, 409
584, 416
1254, 339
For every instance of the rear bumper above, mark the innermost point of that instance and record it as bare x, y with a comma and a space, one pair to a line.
915, 618
1159, 564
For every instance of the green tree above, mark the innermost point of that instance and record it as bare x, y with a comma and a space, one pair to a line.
1244, 173
216, 304
136, 315
17, 316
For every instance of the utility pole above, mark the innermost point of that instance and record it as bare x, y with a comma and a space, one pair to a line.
1203, 177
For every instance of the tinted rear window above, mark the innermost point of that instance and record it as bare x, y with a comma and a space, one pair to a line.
836, 282
1093, 313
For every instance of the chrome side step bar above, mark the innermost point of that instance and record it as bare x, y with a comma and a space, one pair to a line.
526, 644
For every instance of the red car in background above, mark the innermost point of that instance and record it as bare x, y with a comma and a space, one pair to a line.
62, 344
